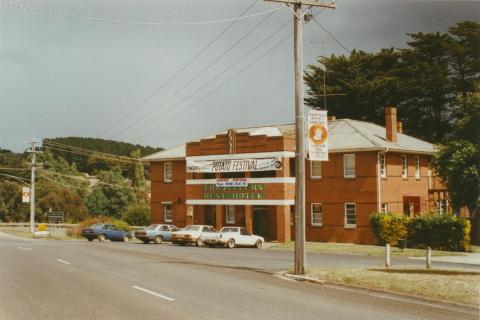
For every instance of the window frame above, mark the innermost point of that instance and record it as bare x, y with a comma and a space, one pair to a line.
345, 175
319, 163
404, 166
384, 207
227, 208
165, 204
383, 172
167, 165
346, 224
417, 167
316, 224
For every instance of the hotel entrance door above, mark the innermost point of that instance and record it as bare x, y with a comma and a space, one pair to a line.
260, 221
210, 215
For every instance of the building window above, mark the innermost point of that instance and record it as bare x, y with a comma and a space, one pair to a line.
441, 207
167, 172
384, 208
230, 214
404, 166
209, 175
315, 169
417, 167
167, 212
350, 215
316, 214
382, 162
349, 165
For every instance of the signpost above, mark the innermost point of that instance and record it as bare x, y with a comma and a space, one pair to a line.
26, 195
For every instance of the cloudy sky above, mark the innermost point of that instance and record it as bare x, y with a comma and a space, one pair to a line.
63, 73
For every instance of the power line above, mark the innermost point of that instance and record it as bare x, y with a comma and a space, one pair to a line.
169, 80
332, 36
130, 22
214, 61
87, 180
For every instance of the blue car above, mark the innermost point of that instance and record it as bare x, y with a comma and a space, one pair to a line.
103, 231
156, 233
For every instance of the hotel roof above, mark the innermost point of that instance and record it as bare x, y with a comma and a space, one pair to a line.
345, 135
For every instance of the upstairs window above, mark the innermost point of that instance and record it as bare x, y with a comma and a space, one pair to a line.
230, 214
316, 214
404, 166
167, 212
382, 163
417, 167
349, 165
350, 215
315, 169
384, 208
167, 172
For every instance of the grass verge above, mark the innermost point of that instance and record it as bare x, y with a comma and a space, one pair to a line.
454, 286
349, 248
27, 234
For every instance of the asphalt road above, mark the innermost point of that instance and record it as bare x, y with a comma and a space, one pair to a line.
83, 280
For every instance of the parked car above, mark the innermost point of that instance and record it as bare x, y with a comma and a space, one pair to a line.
237, 236
195, 234
156, 233
103, 231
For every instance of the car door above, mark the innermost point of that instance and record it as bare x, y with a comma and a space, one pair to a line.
246, 237
116, 233
209, 233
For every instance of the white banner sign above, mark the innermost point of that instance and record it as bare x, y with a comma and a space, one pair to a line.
317, 135
26, 194
232, 182
235, 165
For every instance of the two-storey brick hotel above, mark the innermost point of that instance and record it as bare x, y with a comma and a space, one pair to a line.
245, 177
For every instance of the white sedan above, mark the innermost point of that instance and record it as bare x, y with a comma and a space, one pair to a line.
237, 236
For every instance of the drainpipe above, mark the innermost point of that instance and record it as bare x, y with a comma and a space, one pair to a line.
379, 179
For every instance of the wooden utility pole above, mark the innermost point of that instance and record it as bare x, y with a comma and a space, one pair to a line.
32, 187
296, 6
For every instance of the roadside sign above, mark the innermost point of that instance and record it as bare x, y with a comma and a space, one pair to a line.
317, 134
55, 217
26, 195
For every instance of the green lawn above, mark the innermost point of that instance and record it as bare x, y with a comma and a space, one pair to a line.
455, 286
348, 248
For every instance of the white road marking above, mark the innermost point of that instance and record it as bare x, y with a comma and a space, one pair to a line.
153, 293
23, 248
63, 261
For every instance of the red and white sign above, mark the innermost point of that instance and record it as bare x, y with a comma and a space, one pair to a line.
317, 135
26, 195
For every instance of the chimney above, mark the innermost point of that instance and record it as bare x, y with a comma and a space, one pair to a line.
391, 124
400, 127
331, 118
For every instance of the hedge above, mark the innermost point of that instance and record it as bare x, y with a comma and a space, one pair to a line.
77, 231
445, 232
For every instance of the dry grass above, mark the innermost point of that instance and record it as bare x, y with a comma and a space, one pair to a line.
27, 234
331, 247
455, 286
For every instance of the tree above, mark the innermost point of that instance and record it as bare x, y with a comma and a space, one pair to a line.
137, 214
137, 175
458, 160
11, 207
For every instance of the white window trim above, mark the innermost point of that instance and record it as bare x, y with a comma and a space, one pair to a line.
344, 167
164, 204
404, 166
311, 215
383, 173
386, 207
226, 214
350, 226
417, 167
311, 170
165, 164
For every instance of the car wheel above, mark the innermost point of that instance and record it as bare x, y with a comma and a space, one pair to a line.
90, 239
258, 244
231, 243
126, 238
158, 239
101, 237
199, 242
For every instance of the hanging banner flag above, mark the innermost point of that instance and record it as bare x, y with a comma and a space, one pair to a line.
317, 126
231, 182
26, 195
235, 165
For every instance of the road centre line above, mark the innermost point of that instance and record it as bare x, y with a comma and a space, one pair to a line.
23, 248
63, 261
153, 293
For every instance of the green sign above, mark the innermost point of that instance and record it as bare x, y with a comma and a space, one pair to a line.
252, 191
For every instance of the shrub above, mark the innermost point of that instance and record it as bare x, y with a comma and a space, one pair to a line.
388, 228
77, 231
446, 232
137, 214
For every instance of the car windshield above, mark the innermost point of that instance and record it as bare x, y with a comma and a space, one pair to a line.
152, 227
96, 225
192, 228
